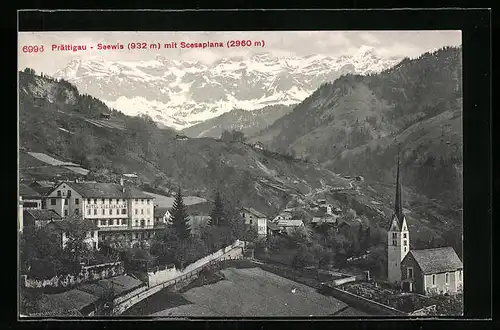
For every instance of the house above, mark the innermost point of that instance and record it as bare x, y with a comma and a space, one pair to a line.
105, 115
432, 271
72, 302
283, 216
43, 188
62, 227
162, 215
287, 226
130, 175
32, 199
199, 216
255, 219
39, 218
116, 209
329, 220
327, 208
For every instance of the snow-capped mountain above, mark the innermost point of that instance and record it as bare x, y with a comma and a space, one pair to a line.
180, 94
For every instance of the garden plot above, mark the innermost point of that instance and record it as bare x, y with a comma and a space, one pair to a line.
254, 292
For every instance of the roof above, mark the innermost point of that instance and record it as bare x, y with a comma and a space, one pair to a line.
130, 175
26, 191
160, 211
121, 284
106, 190
44, 215
199, 208
69, 300
272, 226
255, 212
65, 224
437, 260
43, 187
289, 223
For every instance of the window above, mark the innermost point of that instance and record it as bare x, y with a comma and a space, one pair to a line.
77, 211
136, 211
95, 211
95, 201
394, 235
111, 222
88, 200
250, 221
404, 242
136, 222
94, 245
69, 193
142, 201
410, 272
96, 222
446, 278
103, 212
102, 200
136, 200
404, 235
433, 279
52, 201
142, 211
66, 201
58, 193
404, 249
65, 213
103, 222
124, 211
77, 201
147, 201
88, 211
124, 221
459, 275
110, 211
395, 243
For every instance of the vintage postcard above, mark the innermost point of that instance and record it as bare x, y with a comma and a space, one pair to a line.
240, 174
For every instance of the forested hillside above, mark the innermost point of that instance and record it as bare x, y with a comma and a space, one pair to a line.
357, 124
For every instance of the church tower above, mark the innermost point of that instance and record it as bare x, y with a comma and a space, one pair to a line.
398, 237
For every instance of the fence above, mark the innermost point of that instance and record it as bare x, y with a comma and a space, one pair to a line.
87, 274
361, 303
232, 252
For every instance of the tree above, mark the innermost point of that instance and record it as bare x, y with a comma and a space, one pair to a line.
180, 221
77, 248
217, 215
29, 71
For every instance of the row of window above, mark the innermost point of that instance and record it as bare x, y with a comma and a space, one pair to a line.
395, 235
123, 211
117, 222
145, 235
94, 200
446, 277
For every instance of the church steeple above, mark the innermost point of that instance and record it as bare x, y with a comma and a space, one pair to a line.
398, 207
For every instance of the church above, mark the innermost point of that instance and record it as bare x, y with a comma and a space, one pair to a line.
427, 271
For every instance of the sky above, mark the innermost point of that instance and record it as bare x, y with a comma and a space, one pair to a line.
280, 43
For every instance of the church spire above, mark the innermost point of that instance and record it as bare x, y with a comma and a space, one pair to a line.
398, 207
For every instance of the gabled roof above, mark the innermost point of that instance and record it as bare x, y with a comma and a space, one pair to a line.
106, 190
43, 215
27, 192
254, 212
161, 211
438, 260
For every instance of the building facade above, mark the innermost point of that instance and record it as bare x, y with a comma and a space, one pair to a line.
115, 210
432, 271
255, 219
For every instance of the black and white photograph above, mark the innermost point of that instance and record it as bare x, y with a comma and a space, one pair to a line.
197, 174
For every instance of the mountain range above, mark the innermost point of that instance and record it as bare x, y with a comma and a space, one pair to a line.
180, 94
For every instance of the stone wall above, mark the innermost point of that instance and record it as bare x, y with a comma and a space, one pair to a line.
87, 274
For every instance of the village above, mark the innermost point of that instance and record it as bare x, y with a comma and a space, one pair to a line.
119, 222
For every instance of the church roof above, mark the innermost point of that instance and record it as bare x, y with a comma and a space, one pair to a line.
438, 260
398, 205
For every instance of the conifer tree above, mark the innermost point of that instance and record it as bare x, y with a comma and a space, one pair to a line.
180, 221
217, 215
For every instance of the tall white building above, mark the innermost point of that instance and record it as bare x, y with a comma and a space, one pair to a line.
115, 209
